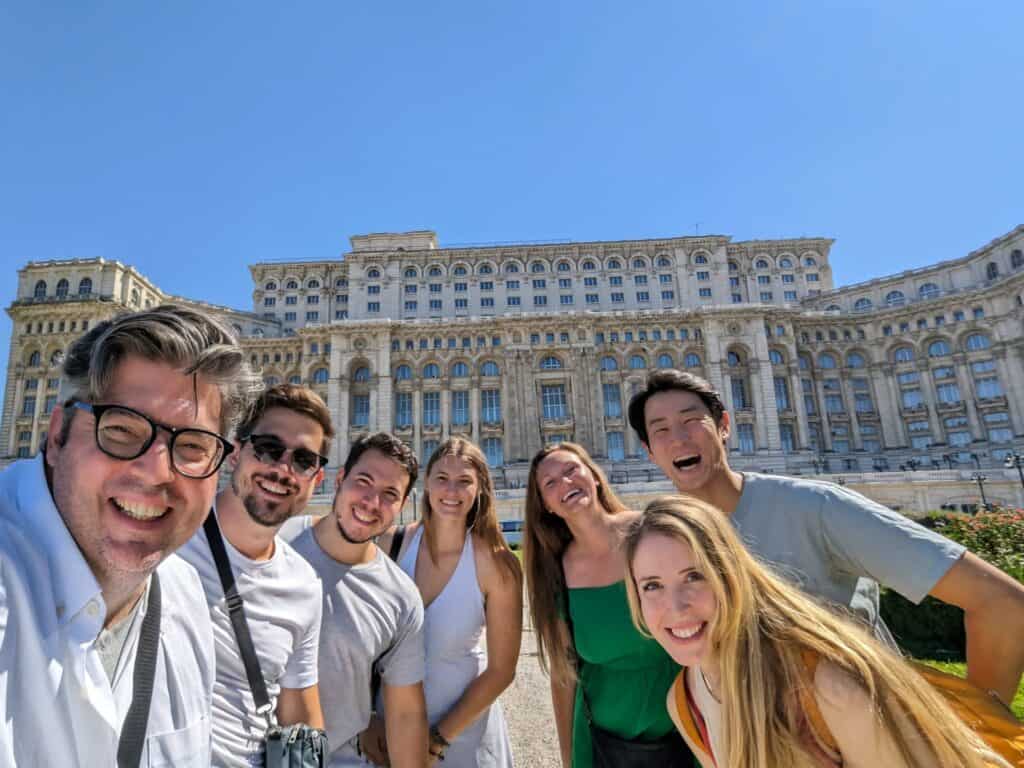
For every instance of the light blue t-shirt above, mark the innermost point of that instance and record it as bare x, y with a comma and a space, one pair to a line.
840, 545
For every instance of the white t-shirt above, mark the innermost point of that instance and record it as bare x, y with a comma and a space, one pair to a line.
57, 705
283, 602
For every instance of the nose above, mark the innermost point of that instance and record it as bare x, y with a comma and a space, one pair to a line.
681, 598
155, 463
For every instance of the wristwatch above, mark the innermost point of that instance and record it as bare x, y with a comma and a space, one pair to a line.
438, 743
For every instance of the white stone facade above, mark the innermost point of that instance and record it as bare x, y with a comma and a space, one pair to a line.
518, 345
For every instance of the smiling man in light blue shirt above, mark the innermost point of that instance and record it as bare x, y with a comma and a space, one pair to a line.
87, 535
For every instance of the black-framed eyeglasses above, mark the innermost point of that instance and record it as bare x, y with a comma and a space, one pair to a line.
124, 433
269, 449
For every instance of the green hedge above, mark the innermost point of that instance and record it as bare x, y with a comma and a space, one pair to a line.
934, 630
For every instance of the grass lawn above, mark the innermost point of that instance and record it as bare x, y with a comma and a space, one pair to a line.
960, 669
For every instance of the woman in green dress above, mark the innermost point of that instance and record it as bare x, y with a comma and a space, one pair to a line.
608, 682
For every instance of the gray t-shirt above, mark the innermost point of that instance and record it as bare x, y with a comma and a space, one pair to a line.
840, 545
371, 611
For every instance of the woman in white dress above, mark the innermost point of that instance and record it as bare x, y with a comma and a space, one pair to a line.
469, 581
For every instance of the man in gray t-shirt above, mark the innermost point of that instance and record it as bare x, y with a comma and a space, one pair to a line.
833, 541
372, 612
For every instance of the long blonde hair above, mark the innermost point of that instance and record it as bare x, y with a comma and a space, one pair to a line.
482, 520
761, 629
545, 537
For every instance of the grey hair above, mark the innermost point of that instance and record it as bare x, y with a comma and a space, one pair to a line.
187, 339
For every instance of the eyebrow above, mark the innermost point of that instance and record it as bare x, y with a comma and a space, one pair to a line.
688, 409
683, 572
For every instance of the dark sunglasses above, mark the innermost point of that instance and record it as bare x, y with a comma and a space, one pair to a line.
269, 449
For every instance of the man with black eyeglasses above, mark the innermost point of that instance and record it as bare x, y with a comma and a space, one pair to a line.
104, 657
276, 465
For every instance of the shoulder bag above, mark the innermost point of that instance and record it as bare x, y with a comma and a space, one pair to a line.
290, 746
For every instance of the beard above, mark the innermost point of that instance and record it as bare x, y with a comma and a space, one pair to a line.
271, 514
345, 535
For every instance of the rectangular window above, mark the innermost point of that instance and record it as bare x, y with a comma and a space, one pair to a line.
360, 410
918, 426
812, 278
988, 387
410, 306
705, 293
640, 280
618, 298
461, 287
373, 306
958, 315
615, 280
734, 282
410, 289
312, 315
435, 305
289, 317
487, 301
978, 313
435, 287
462, 303
862, 402
983, 366
643, 296
431, 409
1000, 435
487, 285
834, 404
616, 446
339, 314
911, 398
316, 299
945, 372
565, 299
540, 301
958, 439
612, 401
49, 404
737, 298
781, 393
553, 402
739, 392
764, 280
269, 301
460, 407
490, 406
539, 285
787, 437
788, 279
373, 290
403, 409
668, 295
766, 296
910, 377
664, 278
511, 285
590, 282
593, 298
921, 442
512, 301
948, 393
746, 436
703, 275
789, 295
564, 282
28, 406
494, 451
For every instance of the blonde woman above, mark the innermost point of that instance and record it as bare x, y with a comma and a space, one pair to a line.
771, 678
468, 579
608, 682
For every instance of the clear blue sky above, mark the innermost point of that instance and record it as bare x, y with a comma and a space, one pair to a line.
192, 139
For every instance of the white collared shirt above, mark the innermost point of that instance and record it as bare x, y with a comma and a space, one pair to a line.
57, 706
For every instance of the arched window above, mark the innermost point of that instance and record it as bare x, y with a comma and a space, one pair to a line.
761, 264
373, 274
833, 308
637, 362
785, 263
609, 364
810, 262
321, 375
341, 282
692, 360
939, 348
639, 264
776, 357
313, 284
664, 261
589, 266
550, 363
33, 360
271, 381
511, 268
434, 272
490, 368
410, 272
614, 264
804, 361
460, 271
1017, 258
928, 291
431, 371
362, 374
862, 305
734, 267
62, 288
977, 341
292, 285
894, 298
903, 354
665, 361
486, 269
85, 286
733, 359
134, 301
295, 379
855, 360
563, 266
826, 361
270, 286
700, 258
537, 266
40, 290
992, 271
403, 373
460, 370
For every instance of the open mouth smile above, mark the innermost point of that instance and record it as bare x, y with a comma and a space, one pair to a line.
271, 488
137, 510
686, 462
573, 494
688, 634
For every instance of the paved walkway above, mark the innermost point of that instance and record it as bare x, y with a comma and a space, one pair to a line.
527, 705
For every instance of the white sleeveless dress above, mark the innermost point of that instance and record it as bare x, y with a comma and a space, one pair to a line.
452, 627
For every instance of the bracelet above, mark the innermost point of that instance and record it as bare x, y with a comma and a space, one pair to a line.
438, 743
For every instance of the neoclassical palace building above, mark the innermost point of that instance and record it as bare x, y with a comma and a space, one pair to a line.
518, 345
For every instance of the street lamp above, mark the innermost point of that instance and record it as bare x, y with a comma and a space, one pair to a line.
977, 461
1015, 460
980, 480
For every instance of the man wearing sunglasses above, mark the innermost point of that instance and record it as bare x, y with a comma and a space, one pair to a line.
277, 463
93, 603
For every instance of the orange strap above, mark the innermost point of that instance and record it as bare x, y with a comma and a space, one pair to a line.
809, 704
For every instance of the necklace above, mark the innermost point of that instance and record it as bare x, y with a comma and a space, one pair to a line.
707, 685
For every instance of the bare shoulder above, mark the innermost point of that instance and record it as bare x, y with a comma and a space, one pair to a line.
496, 569
385, 539
839, 693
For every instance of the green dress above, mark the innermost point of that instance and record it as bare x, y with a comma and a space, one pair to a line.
626, 675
